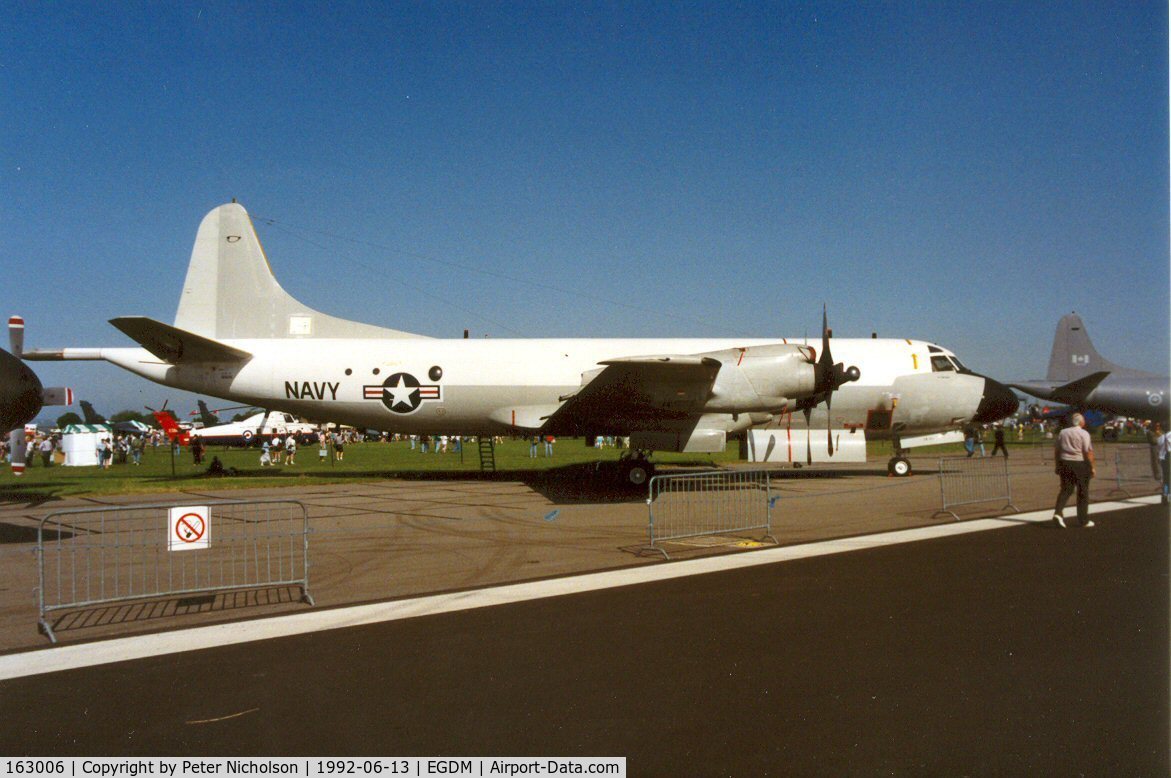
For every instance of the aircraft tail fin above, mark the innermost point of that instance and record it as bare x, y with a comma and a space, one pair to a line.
91, 416
231, 293
170, 426
1074, 357
208, 418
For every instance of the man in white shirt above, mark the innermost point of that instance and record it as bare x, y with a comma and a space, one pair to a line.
1074, 453
1163, 445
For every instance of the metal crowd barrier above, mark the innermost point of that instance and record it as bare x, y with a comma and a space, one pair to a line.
1132, 465
721, 502
970, 480
94, 557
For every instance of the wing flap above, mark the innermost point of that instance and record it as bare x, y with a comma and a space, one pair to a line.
648, 393
174, 345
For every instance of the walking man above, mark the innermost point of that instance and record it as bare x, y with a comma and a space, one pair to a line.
1074, 454
998, 437
1164, 453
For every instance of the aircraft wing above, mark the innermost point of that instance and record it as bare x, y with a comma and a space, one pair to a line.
174, 345
650, 392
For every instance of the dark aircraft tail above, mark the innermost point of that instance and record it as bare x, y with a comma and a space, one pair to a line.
208, 418
91, 416
1074, 357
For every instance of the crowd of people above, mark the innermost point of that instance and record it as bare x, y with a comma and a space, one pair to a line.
45, 449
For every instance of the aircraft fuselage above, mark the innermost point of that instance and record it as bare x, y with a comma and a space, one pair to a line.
431, 386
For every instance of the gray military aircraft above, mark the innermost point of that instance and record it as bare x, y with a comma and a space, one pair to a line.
1082, 378
238, 335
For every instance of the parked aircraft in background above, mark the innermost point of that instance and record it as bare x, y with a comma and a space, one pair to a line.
237, 334
1058, 413
175, 432
261, 426
208, 417
22, 396
1080, 377
91, 416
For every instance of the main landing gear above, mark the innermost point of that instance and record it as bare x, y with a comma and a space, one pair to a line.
899, 466
636, 470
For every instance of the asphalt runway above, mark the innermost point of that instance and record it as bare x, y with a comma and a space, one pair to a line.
1012, 651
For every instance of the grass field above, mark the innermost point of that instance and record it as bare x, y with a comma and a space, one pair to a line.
362, 462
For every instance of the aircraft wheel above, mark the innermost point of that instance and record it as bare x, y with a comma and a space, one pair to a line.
637, 472
899, 467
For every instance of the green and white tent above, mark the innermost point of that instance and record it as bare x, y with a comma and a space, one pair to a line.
77, 429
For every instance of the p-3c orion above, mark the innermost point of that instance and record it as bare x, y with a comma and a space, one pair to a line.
238, 335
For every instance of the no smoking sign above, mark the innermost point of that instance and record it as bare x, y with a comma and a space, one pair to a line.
189, 528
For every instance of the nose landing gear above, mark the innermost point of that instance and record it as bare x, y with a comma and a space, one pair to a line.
898, 467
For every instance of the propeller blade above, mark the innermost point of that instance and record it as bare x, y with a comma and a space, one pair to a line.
264, 421
829, 436
808, 435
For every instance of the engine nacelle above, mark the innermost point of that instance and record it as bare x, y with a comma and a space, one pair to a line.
709, 436
697, 441
761, 378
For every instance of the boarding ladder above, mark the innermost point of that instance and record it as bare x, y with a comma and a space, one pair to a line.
487, 454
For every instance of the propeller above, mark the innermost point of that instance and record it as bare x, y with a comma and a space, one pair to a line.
260, 429
828, 377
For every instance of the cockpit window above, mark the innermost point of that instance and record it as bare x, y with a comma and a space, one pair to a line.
940, 364
960, 365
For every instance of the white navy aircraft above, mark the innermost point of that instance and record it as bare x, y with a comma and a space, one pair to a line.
257, 427
238, 335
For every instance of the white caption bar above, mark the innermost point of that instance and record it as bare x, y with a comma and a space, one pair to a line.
459, 767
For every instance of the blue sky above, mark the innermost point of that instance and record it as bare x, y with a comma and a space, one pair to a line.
957, 172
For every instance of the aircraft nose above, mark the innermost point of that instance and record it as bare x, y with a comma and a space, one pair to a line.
997, 403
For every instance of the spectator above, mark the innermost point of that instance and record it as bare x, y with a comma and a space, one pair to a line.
1074, 453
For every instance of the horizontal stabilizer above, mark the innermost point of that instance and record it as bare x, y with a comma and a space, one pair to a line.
1072, 393
1077, 391
174, 345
